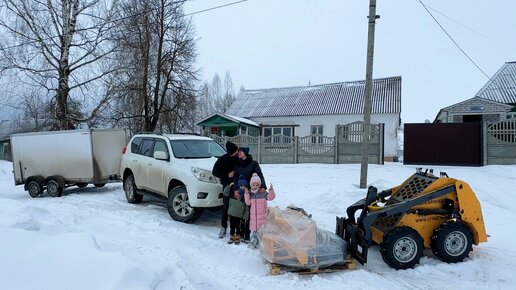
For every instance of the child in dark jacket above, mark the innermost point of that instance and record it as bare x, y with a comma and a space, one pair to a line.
235, 222
258, 202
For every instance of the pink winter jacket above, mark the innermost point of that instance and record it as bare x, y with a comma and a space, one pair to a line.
258, 203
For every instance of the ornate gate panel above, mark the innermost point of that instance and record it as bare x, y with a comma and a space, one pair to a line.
349, 143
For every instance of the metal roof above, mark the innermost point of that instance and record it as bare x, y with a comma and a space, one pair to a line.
502, 86
327, 99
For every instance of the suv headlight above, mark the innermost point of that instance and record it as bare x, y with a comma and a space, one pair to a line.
204, 175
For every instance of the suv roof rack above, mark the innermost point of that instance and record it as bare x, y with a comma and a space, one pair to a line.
187, 133
145, 132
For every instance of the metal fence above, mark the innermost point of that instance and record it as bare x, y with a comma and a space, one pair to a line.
443, 144
313, 148
473, 144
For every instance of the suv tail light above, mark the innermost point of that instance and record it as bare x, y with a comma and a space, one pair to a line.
123, 150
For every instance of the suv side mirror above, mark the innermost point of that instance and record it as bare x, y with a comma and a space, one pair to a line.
160, 155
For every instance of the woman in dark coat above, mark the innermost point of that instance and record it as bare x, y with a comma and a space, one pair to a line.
246, 166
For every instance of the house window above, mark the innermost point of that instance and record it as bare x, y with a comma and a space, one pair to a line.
269, 131
316, 130
243, 130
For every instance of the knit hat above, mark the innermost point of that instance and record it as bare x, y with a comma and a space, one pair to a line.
256, 178
245, 150
242, 181
231, 147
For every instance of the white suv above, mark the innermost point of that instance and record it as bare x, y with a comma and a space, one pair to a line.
176, 167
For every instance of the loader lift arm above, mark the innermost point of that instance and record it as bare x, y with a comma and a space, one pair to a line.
358, 234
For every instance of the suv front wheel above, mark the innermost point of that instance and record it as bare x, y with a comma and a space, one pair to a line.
178, 206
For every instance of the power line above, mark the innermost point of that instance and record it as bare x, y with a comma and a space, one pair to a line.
469, 28
216, 7
451, 38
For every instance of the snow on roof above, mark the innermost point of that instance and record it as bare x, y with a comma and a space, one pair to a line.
327, 99
243, 120
502, 86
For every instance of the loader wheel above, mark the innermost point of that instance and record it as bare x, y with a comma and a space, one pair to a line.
179, 208
130, 190
54, 189
451, 242
34, 188
402, 247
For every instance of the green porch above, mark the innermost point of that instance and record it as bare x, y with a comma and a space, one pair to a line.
225, 125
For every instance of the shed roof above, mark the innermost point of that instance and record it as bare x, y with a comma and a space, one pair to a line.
326, 99
221, 119
502, 86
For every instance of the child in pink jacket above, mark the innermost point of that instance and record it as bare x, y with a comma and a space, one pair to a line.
258, 202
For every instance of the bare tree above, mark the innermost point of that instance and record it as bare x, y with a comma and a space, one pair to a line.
156, 82
216, 92
58, 46
229, 93
204, 103
215, 97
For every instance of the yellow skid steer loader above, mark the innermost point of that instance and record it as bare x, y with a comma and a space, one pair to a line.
425, 211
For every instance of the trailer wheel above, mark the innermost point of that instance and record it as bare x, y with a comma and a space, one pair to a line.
81, 184
178, 206
34, 188
451, 242
130, 190
402, 247
54, 189
99, 185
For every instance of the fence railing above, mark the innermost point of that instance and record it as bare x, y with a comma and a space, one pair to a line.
500, 143
344, 148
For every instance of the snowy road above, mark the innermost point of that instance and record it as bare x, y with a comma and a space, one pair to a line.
93, 239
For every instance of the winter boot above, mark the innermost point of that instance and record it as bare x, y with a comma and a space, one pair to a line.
232, 239
237, 240
222, 233
254, 242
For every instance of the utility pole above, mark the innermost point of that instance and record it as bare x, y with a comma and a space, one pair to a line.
368, 93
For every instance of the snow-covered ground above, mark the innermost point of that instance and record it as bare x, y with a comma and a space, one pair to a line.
93, 239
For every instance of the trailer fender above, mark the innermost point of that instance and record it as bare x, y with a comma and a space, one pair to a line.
60, 180
38, 178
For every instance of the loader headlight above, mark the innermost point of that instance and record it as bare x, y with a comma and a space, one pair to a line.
204, 175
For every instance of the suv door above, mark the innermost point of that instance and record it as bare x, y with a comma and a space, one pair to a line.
157, 168
141, 172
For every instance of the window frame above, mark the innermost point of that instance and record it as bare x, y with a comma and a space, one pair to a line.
319, 130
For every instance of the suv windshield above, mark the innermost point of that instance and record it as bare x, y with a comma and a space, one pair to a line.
196, 148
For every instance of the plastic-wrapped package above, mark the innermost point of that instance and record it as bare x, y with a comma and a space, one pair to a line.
291, 238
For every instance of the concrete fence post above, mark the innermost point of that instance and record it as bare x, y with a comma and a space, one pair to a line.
296, 148
336, 145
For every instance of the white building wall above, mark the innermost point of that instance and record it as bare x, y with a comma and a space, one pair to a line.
329, 122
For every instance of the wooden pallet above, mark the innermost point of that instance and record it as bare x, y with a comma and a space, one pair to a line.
277, 269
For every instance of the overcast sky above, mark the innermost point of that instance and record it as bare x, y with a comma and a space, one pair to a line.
278, 43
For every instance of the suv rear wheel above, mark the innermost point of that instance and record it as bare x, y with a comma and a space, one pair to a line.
178, 206
130, 190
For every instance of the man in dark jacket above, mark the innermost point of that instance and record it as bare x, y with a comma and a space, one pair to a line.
224, 170
246, 166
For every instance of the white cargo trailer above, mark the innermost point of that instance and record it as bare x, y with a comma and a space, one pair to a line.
59, 159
